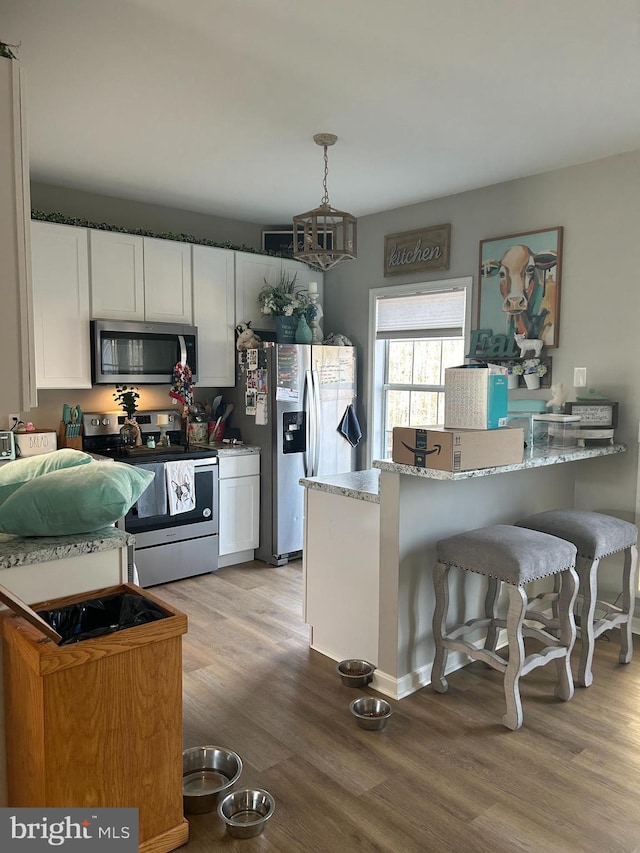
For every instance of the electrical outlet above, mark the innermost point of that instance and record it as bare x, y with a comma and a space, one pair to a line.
579, 377
13, 419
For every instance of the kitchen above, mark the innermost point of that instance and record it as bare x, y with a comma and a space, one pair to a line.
592, 322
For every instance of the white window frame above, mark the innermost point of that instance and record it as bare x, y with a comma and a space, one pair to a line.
374, 406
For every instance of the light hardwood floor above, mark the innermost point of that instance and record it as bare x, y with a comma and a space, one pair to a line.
444, 775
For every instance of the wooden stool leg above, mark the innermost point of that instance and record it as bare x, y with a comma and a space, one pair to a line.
629, 585
588, 591
515, 617
441, 587
491, 612
567, 636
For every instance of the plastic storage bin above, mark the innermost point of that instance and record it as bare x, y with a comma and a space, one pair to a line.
556, 431
97, 721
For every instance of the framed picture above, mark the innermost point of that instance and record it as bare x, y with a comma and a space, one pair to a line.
594, 413
519, 285
281, 242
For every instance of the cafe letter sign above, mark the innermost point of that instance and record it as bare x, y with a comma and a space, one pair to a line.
417, 251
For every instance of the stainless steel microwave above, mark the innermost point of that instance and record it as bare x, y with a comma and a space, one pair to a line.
140, 353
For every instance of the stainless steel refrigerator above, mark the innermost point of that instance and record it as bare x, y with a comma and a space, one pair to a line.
302, 392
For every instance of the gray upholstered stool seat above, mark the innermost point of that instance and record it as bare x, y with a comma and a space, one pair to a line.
513, 556
595, 535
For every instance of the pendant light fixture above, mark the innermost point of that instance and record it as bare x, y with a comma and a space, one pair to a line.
324, 237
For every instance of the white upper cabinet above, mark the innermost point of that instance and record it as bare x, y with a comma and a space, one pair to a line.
167, 281
16, 318
60, 272
117, 275
251, 273
213, 314
140, 278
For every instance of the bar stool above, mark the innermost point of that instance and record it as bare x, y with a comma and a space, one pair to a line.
595, 535
514, 556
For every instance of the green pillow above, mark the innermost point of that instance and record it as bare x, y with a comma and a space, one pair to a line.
73, 500
15, 474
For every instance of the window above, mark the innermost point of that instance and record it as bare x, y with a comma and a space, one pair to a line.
418, 331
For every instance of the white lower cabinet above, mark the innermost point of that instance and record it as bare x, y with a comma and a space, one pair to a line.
239, 507
60, 273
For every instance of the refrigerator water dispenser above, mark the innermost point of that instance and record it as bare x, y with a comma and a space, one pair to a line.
294, 432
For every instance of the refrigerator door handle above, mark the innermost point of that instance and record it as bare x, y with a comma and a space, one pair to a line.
317, 421
307, 405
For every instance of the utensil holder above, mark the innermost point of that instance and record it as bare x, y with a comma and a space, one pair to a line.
65, 441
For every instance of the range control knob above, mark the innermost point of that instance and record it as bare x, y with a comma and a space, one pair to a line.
206, 512
105, 422
95, 421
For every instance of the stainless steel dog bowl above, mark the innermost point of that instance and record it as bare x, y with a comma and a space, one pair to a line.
245, 812
371, 713
208, 772
355, 673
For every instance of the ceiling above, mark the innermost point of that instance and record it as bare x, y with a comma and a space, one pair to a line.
211, 105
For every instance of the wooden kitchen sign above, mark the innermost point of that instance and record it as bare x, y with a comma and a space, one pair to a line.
417, 251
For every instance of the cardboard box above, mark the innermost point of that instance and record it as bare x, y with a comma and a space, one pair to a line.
35, 443
474, 398
456, 449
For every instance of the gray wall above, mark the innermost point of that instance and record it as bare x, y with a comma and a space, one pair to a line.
150, 217
598, 204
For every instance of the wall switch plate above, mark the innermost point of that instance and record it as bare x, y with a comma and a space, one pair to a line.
579, 377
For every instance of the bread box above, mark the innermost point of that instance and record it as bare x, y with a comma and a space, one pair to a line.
36, 442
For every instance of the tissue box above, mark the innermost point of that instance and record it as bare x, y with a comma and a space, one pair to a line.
474, 398
35, 443
457, 450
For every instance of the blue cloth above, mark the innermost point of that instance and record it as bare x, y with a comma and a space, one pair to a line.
349, 426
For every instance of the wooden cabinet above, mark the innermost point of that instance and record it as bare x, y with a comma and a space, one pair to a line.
214, 315
239, 508
251, 273
117, 699
117, 275
140, 278
16, 324
60, 271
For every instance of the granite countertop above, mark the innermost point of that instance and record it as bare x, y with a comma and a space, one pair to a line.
228, 449
25, 550
537, 459
361, 485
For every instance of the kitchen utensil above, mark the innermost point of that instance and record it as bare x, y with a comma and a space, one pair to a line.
208, 773
227, 411
217, 401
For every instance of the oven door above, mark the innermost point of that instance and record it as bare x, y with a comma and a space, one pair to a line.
202, 521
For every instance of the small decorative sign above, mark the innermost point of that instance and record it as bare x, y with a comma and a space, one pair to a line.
417, 251
602, 413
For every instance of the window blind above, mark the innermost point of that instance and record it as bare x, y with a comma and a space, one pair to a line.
433, 314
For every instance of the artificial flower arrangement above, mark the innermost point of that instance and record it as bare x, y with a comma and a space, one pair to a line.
535, 366
127, 398
515, 368
283, 299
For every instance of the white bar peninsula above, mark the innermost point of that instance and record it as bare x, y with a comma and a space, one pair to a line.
369, 552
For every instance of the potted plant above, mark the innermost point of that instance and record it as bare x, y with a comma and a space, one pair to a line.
514, 372
534, 370
127, 398
286, 303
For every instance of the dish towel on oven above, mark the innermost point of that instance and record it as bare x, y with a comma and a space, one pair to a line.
181, 485
153, 501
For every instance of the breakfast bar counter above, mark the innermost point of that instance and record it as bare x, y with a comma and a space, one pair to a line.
369, 552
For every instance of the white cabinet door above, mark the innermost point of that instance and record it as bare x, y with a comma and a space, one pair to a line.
60, 270
239, 503
239, 514
16, 317
251, 273
167, 281
213, 314
117, 275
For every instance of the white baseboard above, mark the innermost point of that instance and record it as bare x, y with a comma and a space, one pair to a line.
234, 559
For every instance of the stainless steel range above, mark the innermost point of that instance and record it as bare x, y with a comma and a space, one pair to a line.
168, 547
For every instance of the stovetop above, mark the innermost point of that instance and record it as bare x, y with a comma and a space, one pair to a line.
102, 437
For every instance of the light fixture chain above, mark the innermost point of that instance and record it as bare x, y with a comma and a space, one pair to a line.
325, 197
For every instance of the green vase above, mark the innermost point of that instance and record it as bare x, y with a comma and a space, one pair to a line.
304, 335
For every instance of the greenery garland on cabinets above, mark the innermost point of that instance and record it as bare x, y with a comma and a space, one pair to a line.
61, 219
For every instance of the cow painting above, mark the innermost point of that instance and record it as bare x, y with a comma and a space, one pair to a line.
519, 280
